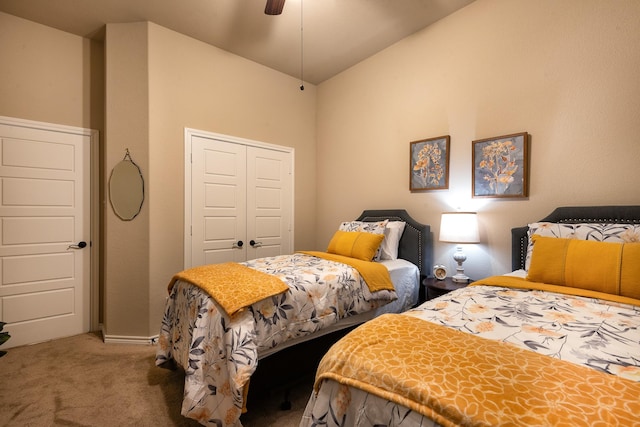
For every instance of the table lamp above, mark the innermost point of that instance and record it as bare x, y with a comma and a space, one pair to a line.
459, 227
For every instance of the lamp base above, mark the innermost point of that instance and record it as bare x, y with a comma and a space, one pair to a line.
460, 278
460, 257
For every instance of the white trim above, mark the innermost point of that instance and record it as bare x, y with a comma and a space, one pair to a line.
31, 124
235, 139
95, 243
124, 339
190, 133
117, 339
91, 321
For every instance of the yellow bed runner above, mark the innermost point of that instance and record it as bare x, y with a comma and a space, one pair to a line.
374, 274
233, 286
458, 379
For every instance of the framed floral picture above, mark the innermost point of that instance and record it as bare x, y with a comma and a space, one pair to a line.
429, 168
500, 166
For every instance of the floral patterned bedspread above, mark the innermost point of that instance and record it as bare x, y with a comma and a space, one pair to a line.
219, 354
596, 333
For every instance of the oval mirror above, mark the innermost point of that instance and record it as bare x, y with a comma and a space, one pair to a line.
126, 190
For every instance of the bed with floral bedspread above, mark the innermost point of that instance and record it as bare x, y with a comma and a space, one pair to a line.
555, 344
595, 333
219, 353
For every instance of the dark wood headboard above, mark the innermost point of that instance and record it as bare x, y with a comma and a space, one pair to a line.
572, 215
416, 243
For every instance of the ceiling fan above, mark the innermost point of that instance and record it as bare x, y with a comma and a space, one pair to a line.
274, 7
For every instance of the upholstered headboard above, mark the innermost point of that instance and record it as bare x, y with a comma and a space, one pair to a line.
416, 243
572, 215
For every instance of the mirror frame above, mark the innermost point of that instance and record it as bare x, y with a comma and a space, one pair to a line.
126, 189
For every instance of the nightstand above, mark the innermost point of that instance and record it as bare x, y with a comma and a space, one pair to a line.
434, 287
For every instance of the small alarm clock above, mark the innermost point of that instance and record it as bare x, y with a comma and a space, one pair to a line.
440, 272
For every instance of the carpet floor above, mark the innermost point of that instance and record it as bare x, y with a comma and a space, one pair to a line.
82, 382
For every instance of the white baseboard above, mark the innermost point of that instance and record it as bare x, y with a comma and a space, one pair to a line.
126, 339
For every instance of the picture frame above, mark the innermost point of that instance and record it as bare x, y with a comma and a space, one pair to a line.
500, 166
429, 164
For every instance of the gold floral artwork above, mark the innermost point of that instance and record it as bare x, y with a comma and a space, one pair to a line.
500, 166
429, 164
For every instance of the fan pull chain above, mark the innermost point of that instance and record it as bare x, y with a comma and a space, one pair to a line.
301, 49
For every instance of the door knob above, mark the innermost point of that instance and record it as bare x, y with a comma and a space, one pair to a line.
238, 244
80, 245
255, 244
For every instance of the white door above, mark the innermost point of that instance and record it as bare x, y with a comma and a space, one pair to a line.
219, 182
45, 215
239, 200
269, 205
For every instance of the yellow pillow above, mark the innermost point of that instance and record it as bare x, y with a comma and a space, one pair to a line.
613, 268
630, 275
355, 244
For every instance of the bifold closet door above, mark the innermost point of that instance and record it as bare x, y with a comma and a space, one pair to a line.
242, 203
219, 203
269, 202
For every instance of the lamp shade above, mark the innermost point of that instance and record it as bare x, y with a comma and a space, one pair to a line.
459, 227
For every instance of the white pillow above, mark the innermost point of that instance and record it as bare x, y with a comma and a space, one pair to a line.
368, 227
392, 233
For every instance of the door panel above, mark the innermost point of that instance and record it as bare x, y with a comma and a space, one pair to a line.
44, 208
269, 204
218, 202
37, 192
36, 230
39, 305
23, 270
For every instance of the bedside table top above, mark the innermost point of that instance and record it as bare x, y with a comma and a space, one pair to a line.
445, 285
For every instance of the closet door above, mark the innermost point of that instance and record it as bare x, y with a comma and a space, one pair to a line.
238, 199
269, 205
219, 208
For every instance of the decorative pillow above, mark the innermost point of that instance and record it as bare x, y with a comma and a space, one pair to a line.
392, 234
377, 227
610, 267
621, 233
630, 274
355, 244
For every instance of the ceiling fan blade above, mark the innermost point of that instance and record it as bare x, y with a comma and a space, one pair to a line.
274, 7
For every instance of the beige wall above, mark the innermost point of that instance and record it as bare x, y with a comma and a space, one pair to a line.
194, 85
50, 76
126, 275
158, 83
564, 71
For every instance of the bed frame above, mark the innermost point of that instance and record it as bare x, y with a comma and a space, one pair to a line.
572, 215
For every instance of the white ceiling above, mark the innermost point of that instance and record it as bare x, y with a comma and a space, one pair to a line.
336, 34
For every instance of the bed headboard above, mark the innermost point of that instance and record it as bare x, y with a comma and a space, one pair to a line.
416, 243
572, 215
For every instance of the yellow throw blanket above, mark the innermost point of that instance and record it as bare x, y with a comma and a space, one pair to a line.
520, 283
374, 274
233, 286
458, 379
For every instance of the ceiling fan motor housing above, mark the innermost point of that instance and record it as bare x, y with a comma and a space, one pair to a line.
274, 7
